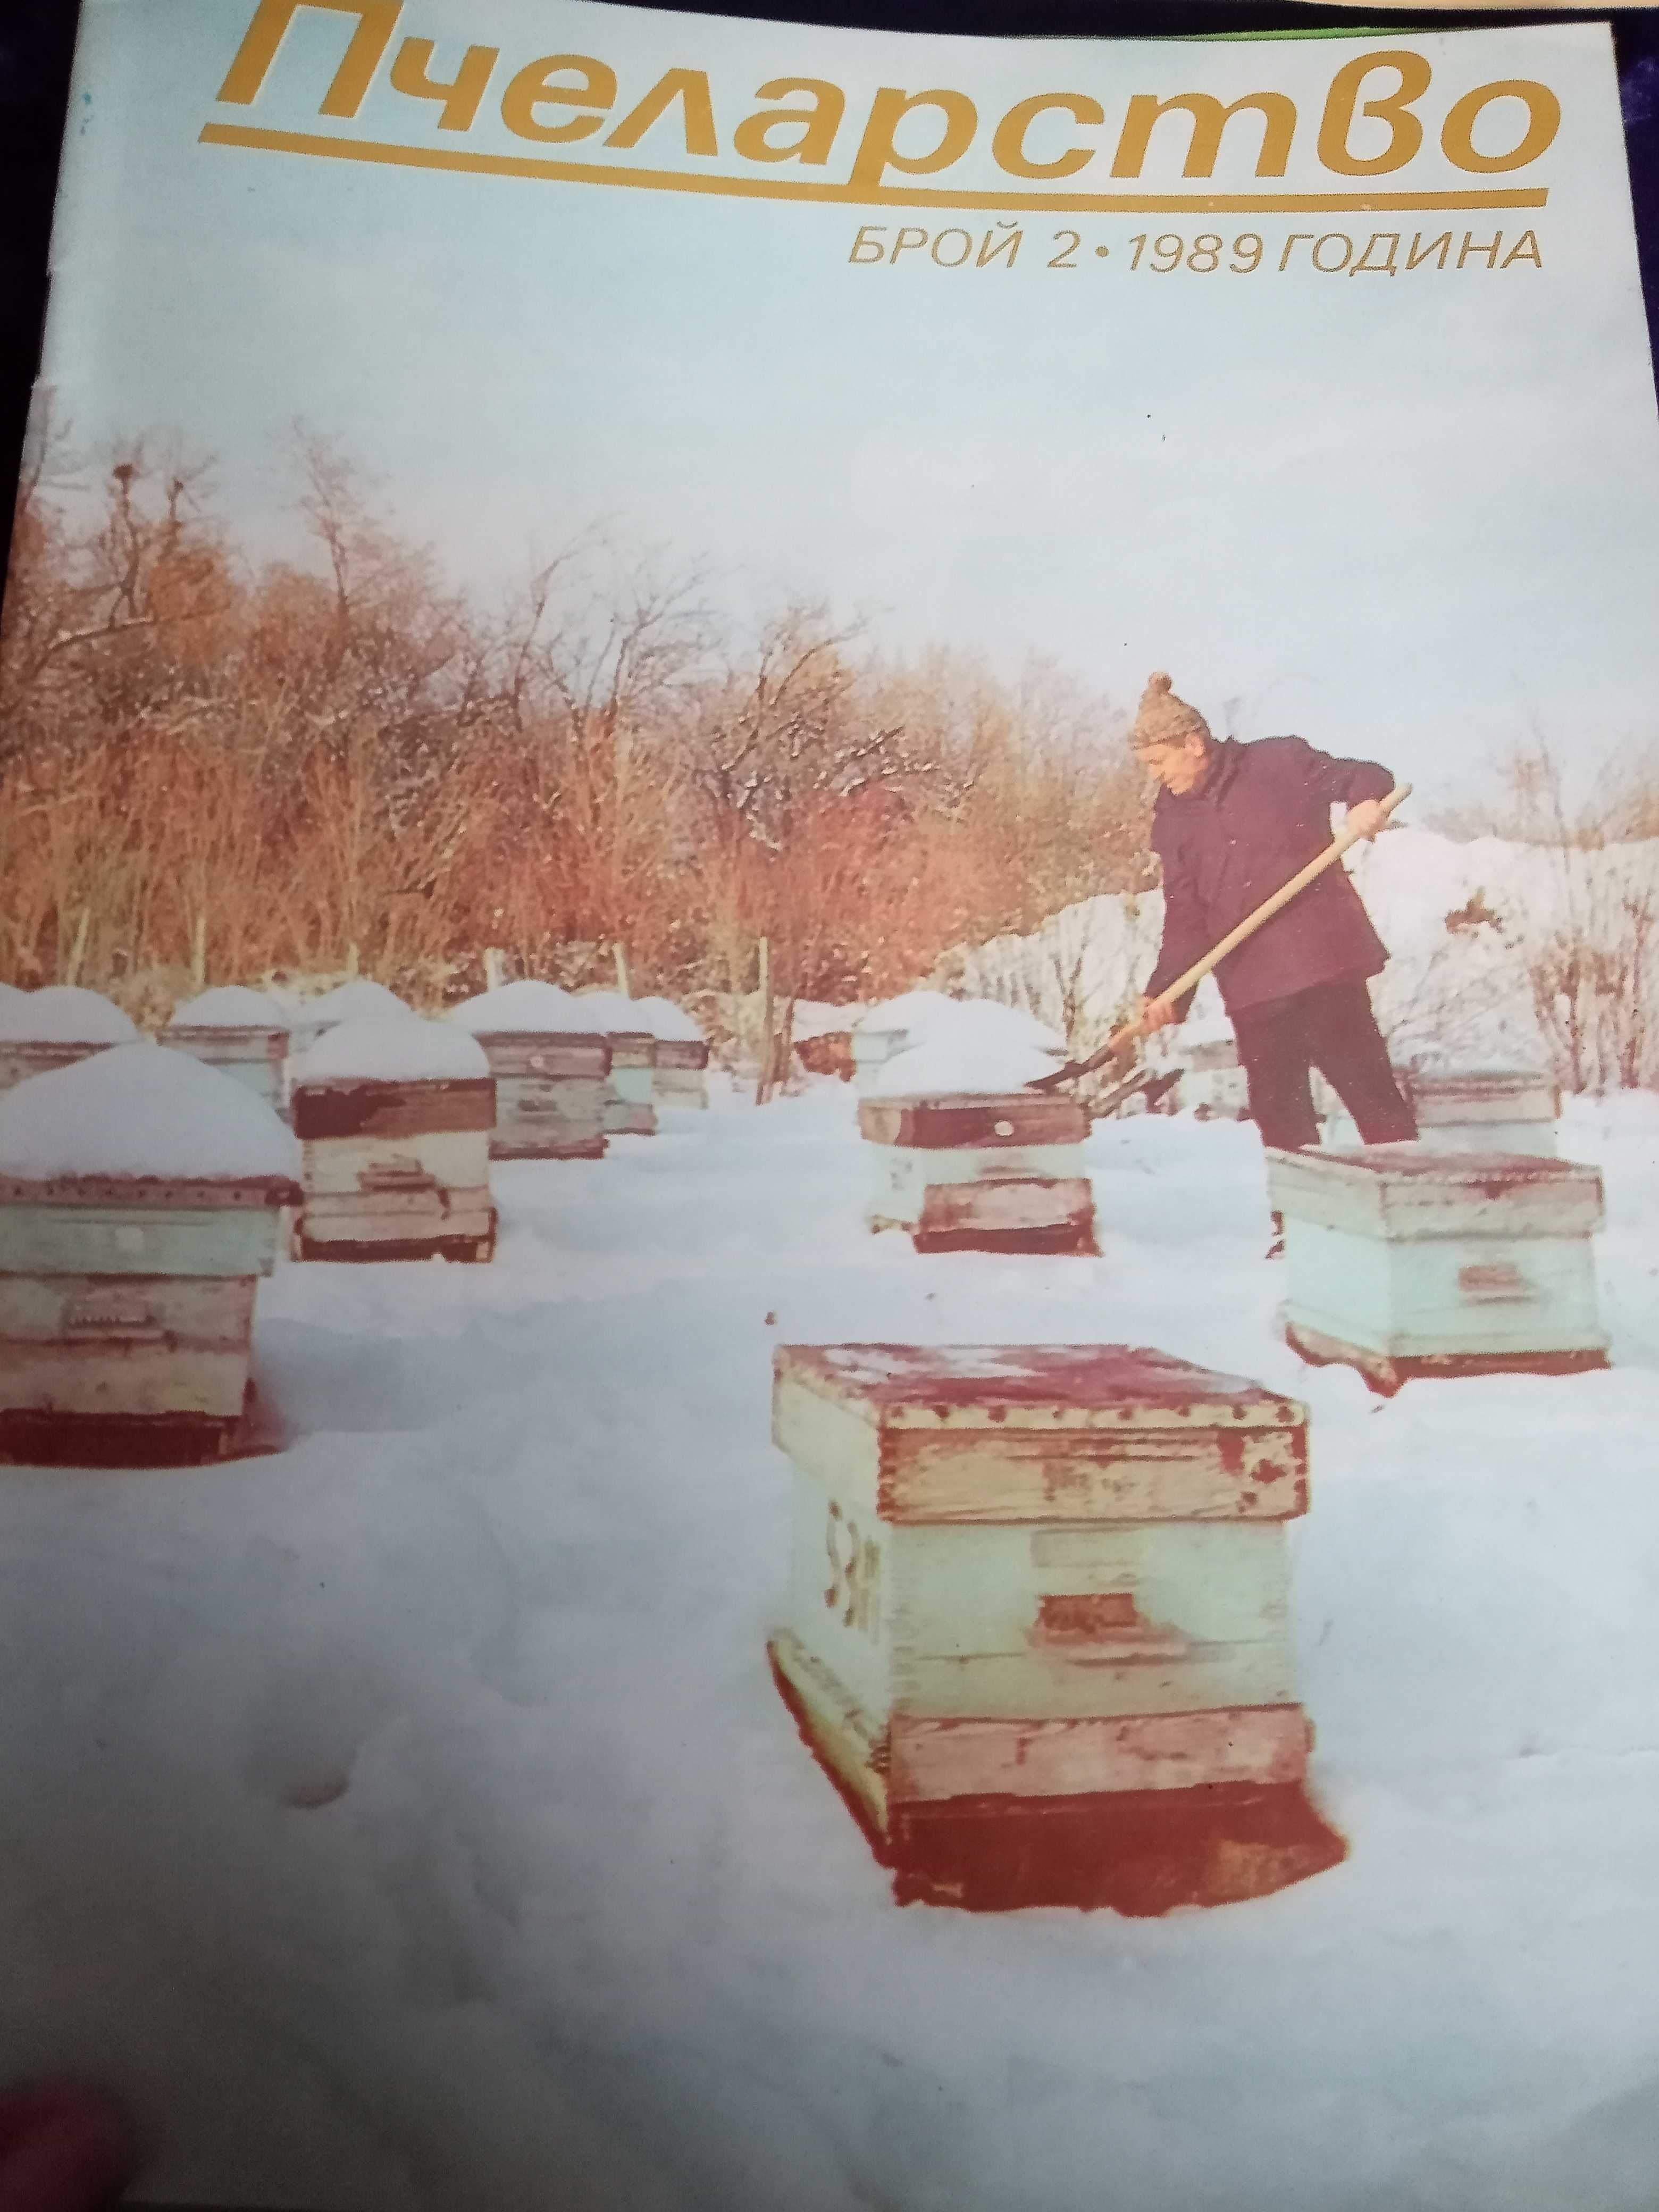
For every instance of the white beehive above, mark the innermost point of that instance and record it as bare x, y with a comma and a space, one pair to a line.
680, 1077
1002, 1172
629, 1109
1477, 1109
346, 1002
42, 1030
1038, 1612
244, 1032
965, 1160
395, 1116
550, 1066
140, 1198
1404, 1260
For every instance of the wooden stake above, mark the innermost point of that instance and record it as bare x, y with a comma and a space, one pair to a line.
77, 950
623, 983
763, 1082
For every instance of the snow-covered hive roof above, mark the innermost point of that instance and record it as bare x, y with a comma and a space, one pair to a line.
612, 1014
815, 1018
526, 1008
230, 1006
959, 1063
669, 1024
140, 1110
65, 1014
397, 1047
923, 1015
362, 995
914, 1011
9, 994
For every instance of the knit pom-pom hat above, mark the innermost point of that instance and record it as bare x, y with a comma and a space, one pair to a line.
1164, 719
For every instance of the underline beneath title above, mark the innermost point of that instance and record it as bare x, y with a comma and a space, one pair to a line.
457, 161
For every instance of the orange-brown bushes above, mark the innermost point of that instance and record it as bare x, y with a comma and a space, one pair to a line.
210, 773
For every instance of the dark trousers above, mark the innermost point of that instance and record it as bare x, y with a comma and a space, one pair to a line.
1331, 1027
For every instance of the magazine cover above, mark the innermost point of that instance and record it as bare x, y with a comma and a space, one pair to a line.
829, 1155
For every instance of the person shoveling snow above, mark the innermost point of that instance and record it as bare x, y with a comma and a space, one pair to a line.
1243, 834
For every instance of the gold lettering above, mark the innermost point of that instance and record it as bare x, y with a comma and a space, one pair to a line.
1210, 119
533, 88
1008, 145
376, 21
814, 127
1404, 131
876, 153
691, 88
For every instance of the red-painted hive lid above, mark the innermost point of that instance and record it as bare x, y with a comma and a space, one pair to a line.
1029, 1385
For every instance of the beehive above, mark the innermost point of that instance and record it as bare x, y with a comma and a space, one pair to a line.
140, 1197
395, 1116
551, 1067
680, 1076
1037, 1626
346, 1002
629, 1109
1478, 1109
44, 1030
998, 1172
1403, 1261
1213, 1085
244, 1032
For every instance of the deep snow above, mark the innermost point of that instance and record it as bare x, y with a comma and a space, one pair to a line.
391, 1048
526, 1007
141, 1109
63, 1013
407, 1819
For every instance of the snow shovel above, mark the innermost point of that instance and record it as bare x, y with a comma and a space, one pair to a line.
1121, 1040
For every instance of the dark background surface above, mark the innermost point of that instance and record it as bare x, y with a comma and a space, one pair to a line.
37, 38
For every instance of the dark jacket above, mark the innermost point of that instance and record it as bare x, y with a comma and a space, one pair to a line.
1264, 811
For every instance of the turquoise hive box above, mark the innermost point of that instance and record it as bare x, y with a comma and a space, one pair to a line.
127, 1281
1037, 1627
1404, 1260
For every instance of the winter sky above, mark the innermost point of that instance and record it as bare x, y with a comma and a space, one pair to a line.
1413, 517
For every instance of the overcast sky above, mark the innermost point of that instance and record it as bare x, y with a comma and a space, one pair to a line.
1411, 517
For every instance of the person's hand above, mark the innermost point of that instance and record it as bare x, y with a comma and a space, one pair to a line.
1154, 1014
64, 2147
1366, 818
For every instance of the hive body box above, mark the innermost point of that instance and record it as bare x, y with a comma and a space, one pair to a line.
127, 1311
628, 1107
395, 1170
252, 1057
1003, 1173
1476, 1110
549, 1094
1038, 1625
1213, 1082
680, 1078
871, 1050
1404, 1261
22, 1057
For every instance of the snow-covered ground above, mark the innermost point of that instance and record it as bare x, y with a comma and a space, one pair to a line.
407, 1818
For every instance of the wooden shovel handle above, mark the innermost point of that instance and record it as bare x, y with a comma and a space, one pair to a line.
1131, 1031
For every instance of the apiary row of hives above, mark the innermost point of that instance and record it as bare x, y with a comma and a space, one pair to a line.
144, 1191
572, 1069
